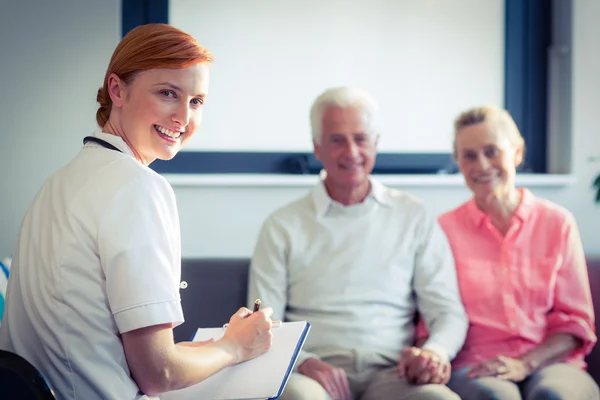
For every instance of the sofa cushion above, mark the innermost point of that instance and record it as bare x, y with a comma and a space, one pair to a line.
216, 289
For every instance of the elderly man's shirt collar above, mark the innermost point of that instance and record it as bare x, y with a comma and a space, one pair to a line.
324, 204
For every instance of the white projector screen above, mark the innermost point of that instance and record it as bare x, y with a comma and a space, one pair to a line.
424, 61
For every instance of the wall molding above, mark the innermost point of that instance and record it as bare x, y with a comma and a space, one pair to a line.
306, 181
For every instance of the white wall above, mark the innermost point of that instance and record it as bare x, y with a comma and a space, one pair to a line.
53, 55
272, 57
53, 60
224, 221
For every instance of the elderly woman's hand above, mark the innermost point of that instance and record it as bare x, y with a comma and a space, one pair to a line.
506, 368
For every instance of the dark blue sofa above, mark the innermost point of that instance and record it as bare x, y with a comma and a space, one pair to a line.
217, 288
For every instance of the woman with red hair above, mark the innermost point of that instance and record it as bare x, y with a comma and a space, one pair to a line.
93, 294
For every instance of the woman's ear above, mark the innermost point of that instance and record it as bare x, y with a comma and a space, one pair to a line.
116, 90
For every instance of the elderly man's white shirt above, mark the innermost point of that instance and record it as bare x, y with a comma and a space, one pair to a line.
358, 273
98, 255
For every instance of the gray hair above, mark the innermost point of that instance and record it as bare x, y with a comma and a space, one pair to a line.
344, 96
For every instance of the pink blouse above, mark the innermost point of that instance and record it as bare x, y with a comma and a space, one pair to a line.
520, 288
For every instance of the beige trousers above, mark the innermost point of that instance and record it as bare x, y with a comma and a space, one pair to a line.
371, 377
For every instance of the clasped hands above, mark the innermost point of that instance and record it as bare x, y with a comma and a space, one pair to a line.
421, 366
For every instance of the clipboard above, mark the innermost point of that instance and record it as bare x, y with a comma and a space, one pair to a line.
263, 377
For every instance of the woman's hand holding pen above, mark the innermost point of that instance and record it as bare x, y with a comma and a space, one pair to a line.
248, 333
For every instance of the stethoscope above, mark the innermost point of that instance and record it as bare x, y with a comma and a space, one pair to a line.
101, 142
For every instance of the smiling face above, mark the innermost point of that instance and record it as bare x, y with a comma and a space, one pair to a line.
159, 111
488, 158
346, 148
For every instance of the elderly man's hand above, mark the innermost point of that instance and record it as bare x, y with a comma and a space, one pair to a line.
333, 379
422, 366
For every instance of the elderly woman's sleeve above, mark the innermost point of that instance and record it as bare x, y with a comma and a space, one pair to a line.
573, 311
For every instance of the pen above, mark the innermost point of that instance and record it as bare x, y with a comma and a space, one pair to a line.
257, 305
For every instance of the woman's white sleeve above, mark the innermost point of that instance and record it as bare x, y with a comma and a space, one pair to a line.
140, 251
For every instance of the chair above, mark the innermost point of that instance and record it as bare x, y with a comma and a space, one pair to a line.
21, 380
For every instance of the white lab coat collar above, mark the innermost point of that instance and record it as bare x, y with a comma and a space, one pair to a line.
115, 140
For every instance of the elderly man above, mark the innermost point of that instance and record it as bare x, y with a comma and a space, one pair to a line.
358, 261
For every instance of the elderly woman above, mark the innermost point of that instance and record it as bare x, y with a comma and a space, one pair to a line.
522, 276
93, 293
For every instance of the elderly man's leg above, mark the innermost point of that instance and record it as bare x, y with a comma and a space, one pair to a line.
560, 382
488, 388
300, 387
386, 384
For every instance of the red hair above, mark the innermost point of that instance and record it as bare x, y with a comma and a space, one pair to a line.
148, 47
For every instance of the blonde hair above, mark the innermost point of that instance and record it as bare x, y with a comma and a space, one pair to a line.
497, 116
